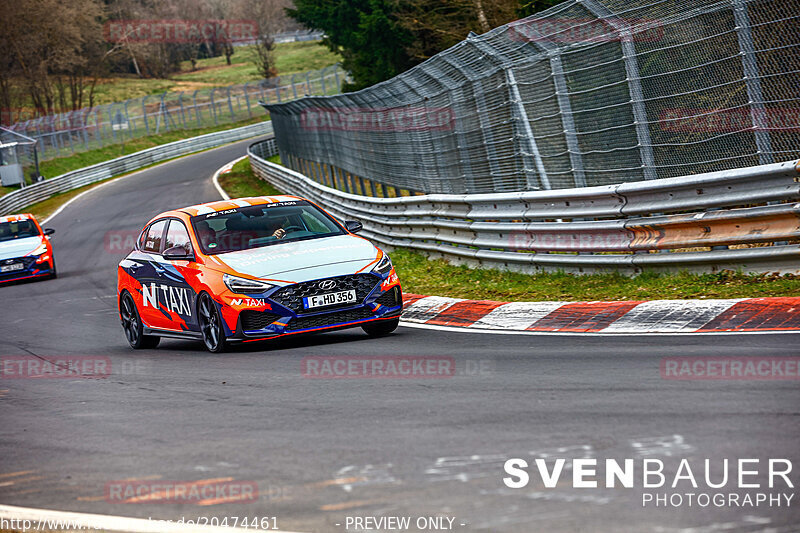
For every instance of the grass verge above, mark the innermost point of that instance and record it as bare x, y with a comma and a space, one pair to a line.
242, 182
420, 275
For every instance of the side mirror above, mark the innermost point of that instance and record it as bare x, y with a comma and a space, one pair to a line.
49, 231
177, 253
353, 226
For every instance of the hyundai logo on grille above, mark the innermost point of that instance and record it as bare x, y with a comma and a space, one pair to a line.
9, 261
327, 285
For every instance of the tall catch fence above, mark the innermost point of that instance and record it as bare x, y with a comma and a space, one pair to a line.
94, 127
589, 92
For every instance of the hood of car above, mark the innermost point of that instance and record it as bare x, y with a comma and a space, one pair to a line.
18, 247
302, 260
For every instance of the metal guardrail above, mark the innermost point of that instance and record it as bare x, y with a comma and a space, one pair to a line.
17, 200
586, 229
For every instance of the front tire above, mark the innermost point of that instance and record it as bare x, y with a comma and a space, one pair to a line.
381, 328
133, 327
211, 325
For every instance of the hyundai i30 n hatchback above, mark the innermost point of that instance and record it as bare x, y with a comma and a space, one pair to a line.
25, 249
251, 269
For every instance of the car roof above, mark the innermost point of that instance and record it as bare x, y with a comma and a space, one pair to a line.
223, 205
17, 218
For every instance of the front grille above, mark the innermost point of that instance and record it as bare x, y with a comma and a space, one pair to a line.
390, 298
26, 261
253, 320
329, 319
292, 295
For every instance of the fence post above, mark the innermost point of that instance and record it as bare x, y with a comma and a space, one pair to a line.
564, 105
753, 82
294, 87
213, 106
336, 75
247, 100
196, 110
183, 114
634, 84
230, 104
532, 148
144, 115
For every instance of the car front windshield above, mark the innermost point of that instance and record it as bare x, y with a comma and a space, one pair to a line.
18, 229
250, 227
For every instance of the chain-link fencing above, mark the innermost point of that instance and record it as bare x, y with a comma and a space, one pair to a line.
85, 129
589, 92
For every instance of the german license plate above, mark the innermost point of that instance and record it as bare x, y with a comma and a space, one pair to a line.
12, 268
330, 298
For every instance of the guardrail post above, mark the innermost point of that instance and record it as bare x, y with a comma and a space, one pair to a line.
634, 84
753, 82
526, 134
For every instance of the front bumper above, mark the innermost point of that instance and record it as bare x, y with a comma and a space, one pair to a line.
31, 269
379, 304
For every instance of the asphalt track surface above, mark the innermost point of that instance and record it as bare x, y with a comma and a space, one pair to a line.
324, 449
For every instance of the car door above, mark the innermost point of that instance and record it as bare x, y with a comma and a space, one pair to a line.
144, 267
175, 277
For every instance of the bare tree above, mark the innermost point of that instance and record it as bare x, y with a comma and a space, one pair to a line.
270, 19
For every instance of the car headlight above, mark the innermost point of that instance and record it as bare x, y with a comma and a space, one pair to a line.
242, 285
42, 248
384, 266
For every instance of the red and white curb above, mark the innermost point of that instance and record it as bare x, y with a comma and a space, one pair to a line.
622, 317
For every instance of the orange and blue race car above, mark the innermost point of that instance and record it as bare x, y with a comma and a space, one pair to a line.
250, 269
25, 249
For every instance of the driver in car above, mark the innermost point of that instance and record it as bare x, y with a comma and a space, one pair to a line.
279, 232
